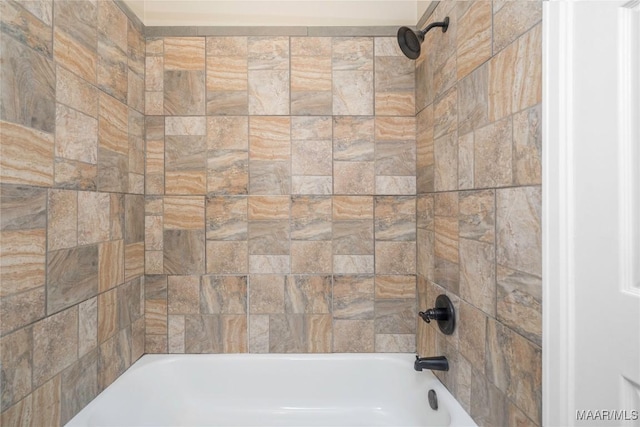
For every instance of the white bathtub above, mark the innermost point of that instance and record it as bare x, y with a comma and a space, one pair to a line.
273, 390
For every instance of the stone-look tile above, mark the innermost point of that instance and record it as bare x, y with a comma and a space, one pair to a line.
176, 336
154, 73
353, 264
184, 251
311, 218
514, 365
353, 336
527, 146
446, 243
353, 297
518, 229
76, 93
227, 257
113, 171
266, 294
185, 167
156, 305
18, 310
55, 344
395, 287
183, 294
72, 276
473, 45
386, 46
473, 100
353, 93
136, 134
153, 262
153, 228
477, 215
269, 92
267, 208
133, 218
352, 53
62, 219
519, 302
395, 257
512, 19
268, 53
46, 401
227, 75
310, 46
308, 294
466, 161
113, 125
493, 155
183, 126
353, 138
154, 103
226, 217
93, 219
269, 177
425, 161
287, 333
184, 213
79, 385
107, 315
223, 295
113, 359
17, 366
515, 76
425, 211
137, 339
112, 63
270, 138
133, 260
318, 332
352, 207
259, 334
472, 333
311, 257
184, 53
129, 304
184, 92
311, 83
269, 264
353, 178
76, 38
446, 163
396, 185
88, 326
311, 185
110, 264
76, 135
395, 218
394, 86
353, 237
395, 343
396, 316
75, 175
156, 344
228, 173
154, 173
311, 158
487, 402
395, 146
117, 215
227, 133
424, 82
269, 237
28, 87
25, 27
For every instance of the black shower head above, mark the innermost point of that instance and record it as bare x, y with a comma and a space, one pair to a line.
410, 40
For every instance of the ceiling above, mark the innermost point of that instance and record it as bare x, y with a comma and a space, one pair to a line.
277, 12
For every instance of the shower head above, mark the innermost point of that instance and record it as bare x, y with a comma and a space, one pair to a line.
410, 40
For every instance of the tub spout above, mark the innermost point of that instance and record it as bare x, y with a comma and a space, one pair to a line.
438, 363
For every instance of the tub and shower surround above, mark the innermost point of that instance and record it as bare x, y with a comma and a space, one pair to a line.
280, 194
478, 94
71, 205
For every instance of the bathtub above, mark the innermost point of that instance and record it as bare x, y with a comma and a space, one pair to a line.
273, 390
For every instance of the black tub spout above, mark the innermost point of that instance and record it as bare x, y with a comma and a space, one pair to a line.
438, 363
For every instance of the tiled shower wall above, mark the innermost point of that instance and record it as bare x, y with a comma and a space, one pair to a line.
280, 195
71, 205
478, 91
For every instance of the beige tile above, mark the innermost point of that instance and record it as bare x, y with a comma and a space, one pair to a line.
310, 46
88, 326
493, 155
226, 217
395, 343
183, 295
311, 257
25, 26
527, 146
473, 100
270, 138
472, 335
466, 161
287, 333
153, 262
226, 46
353, 237
227, 257
352, 53
425, 211
184, 53
178, 125
515, 76
396, 185
519, 302
259, 333
46, 402
425, 256
228, 172
184, 92
269, 264
154, 74
396, 316
18, 310
395, 287
223, 295
386, 46
17, 366
76, 93
268, 207
425, 161
353, 178
113, 125
353, 138
311, 218
227, 74
133, 260
154, 103
268, 53
395, 218
395, 257
75, 45
353, 297
22, 258
72, 276
55, 344
184, 251
266, 294
269, 92
353, 93
512, 19
110, 264
107, 315
75, 175
473, 37
477, 215
117, 216
308, 294
310, 73
228, 133
518, 229
311, 158
353, 336
394, 86
311, 185
183, 213
353, 264
318, 333
93, 218
352, 207
153, 228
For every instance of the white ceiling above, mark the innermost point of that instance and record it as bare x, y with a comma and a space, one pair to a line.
277, 13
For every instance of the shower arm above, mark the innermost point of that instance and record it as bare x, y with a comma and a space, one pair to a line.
443, 24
